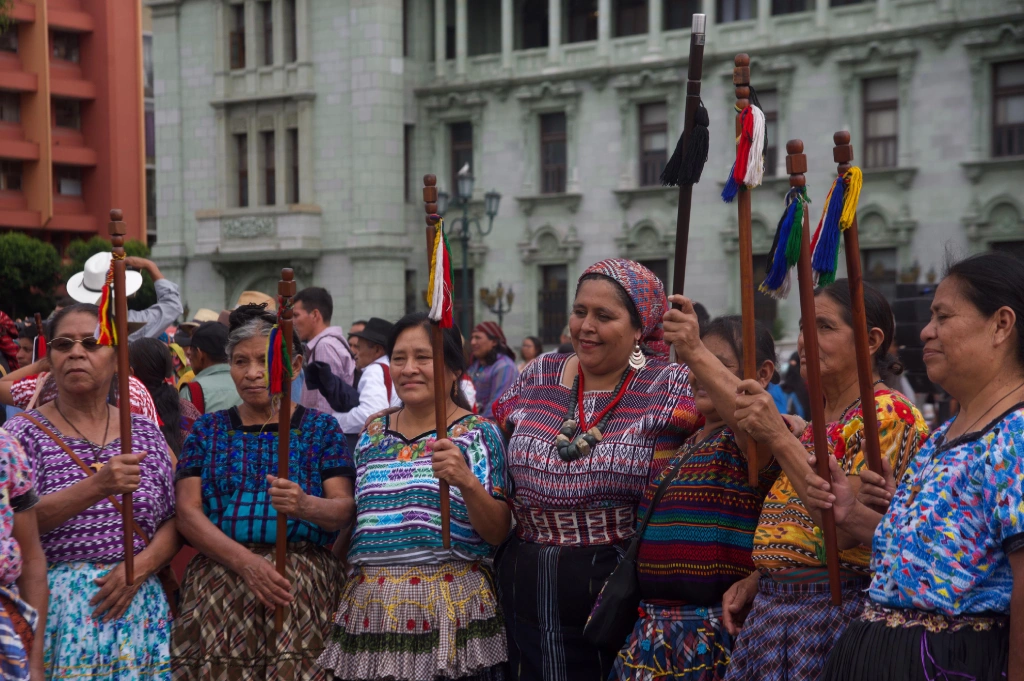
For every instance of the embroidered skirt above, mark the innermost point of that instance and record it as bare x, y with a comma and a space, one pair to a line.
17, 624
417, 622
547, 593
682, 643
887, 644
791, 629
133, 648
224, 633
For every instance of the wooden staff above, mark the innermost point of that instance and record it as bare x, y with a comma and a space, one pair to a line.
693, 75
842, 153
741, 81
796, 166
285, 290
39, 344
437, 340
118, 230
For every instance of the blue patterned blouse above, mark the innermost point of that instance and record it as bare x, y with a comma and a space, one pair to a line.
234, 460
398, 513
946, 547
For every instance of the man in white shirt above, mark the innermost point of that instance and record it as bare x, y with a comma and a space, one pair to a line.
376, 389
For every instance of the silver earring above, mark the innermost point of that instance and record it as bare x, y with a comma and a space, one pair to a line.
637, 359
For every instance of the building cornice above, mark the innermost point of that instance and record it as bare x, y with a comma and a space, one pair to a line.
938, 30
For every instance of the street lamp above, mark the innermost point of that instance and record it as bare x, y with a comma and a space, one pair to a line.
496, 302
461, 227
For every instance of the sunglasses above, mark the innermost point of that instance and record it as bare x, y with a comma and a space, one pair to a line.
65, 344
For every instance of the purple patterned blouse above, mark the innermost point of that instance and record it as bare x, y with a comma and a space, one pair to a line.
95, 534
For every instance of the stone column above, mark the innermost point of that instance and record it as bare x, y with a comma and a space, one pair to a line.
764, 15
302, 30
882, 11
439, 38
554, 30
655, 14
710, 9
507, 33
461, 33
821, 14
278, 13
604, 28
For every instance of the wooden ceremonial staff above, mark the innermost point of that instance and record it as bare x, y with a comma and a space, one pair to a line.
796, 166
285, 291
693, 75
741, 81
118, 230
842, 154
437, 340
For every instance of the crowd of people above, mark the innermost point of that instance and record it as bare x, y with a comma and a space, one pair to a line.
594, 488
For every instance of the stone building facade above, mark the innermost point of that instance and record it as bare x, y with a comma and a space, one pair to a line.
296, 132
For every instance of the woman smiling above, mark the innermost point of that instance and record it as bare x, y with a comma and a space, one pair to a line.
587, 432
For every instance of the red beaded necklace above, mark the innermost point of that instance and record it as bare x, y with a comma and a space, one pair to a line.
621, 390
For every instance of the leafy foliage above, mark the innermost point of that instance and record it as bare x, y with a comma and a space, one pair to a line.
28, 274
79, 251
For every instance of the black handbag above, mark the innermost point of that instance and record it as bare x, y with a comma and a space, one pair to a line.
615, 611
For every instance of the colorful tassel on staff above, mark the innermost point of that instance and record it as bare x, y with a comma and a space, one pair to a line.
279, 362
839, 214
38, 348
439, 289
106, 331
786, 247
748, 170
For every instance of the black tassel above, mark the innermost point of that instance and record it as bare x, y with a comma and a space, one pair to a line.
685, 167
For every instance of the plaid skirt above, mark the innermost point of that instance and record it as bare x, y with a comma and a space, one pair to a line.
417, 622
791, 629
890, 644
224, 633
17, 624
681, 642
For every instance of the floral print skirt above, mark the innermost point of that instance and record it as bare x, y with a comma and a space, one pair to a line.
134, 647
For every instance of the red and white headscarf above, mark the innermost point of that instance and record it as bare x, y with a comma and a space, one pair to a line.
9, 340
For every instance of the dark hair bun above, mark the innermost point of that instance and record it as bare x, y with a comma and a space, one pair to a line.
246, 313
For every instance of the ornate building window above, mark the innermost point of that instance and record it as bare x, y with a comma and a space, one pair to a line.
236, 36
679, 13
242, 168
881, 121
660, 269
531, 24
460, 150
880, 267
736, 10
553, 153
292, 153
581, 20
1008, 109
269, 167
653, 142
791, 6
267, 22
552, 302
630, 17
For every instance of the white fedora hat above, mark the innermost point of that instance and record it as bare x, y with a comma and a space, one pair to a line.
87, 286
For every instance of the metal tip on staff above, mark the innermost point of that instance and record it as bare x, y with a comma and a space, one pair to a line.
699, 23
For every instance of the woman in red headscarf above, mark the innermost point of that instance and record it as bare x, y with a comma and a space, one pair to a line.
587, 432
494, 366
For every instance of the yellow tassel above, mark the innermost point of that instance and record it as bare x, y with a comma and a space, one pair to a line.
433, 265
854, 181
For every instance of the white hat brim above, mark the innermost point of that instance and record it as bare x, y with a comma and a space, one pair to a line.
132, 280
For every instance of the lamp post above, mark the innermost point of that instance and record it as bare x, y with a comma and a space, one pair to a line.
461, 227
496, 302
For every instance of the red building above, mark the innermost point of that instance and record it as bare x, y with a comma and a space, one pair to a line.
72, 139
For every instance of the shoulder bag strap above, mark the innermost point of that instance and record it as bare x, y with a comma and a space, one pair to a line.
81, 464
387, 380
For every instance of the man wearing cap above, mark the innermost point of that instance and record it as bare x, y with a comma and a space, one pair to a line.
87, 285
376, 390
311, 317
213, 388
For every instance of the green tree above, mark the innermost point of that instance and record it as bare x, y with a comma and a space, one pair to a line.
28, 274
79, 251
6, 6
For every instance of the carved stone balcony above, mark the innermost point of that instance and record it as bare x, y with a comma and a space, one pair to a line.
266, 232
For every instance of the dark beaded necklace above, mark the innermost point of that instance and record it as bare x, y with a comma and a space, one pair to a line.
571, 450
